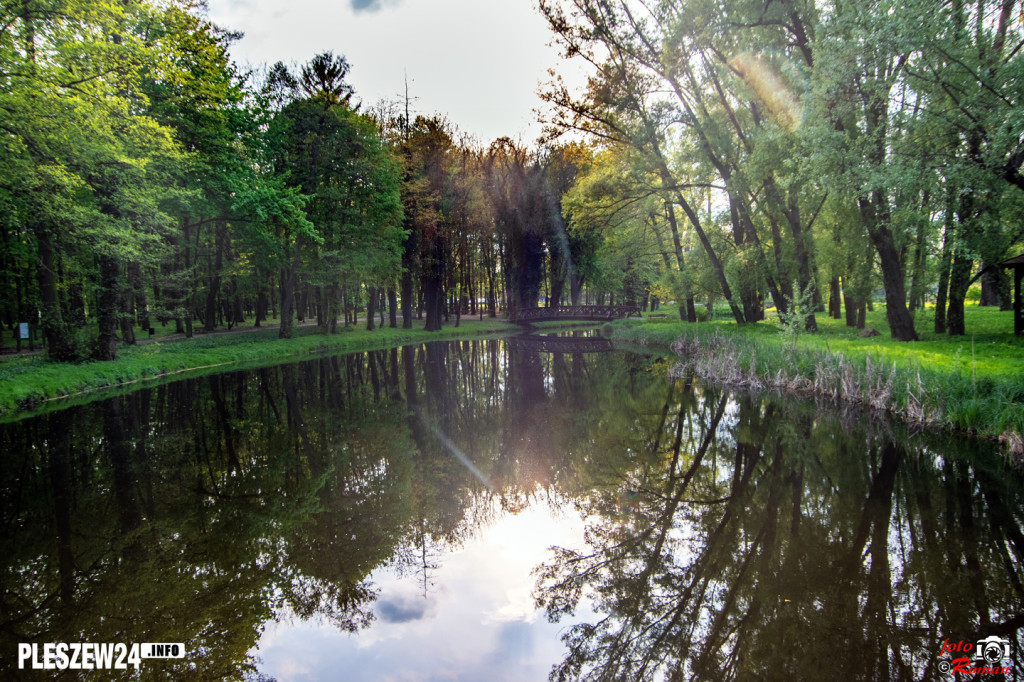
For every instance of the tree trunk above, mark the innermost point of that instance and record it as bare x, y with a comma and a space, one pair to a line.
835, 306
139, 287
289, 280
393, 308
432, 302
752, 311
901, 322
943, 286
575, 288
433, 299
995, 287
321, 311
210, 321
716, 264
963, 262
261, 306
558, 249
803, 259
774, 291
918, 272
851, 304
109, 299
126, 319
959, 281
237, 314
686, 312
55, 333
371, 307
410, 263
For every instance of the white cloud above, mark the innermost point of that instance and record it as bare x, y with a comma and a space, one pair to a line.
476, 61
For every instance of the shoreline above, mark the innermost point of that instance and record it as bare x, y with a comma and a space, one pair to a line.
29, 384
979, 405
986, 404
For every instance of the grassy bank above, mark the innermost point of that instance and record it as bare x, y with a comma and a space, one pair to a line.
973, 383
28, 383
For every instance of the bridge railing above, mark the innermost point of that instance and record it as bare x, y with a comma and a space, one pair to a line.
560, 344
573, 312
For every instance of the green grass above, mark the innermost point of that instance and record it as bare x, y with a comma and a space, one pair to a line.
30, 384
160, 331
973, 383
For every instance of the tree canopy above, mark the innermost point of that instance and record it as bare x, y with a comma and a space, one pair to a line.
722, 151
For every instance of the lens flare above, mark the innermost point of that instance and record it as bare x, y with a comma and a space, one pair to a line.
460, 455
772, 87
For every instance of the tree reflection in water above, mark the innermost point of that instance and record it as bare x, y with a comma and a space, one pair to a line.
197, 511
728, 538
762, 542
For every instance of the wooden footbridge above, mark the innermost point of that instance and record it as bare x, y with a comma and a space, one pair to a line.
595, 313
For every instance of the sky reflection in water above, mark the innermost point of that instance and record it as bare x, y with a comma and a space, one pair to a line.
477, 621
698, 534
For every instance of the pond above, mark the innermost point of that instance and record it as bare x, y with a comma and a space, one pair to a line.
503, 510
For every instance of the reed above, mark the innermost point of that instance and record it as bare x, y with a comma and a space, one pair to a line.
915, 394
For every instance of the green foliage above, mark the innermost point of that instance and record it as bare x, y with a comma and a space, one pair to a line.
621, 230
793, 321
337, 160
843, 143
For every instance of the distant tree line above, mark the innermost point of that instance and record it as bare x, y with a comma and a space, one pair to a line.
756, 155
146, 181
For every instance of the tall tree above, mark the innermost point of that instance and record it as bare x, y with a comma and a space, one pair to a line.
337, 159
93, 163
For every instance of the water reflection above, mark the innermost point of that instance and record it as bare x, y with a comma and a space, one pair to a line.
771, 543
725, 537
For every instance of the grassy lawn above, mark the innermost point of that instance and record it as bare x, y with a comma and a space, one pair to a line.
30, 383
996, 350
973, 383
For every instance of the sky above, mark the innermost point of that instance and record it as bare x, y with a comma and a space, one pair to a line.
478, 62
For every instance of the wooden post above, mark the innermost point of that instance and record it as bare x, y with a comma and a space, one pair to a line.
1018, 304
1017, 265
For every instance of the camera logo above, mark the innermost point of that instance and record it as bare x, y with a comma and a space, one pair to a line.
992, 650
989, 654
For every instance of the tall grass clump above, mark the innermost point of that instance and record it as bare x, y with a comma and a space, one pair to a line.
917, 395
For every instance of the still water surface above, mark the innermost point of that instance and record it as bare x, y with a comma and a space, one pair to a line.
502, 510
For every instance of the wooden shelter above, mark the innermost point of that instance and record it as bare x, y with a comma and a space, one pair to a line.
1017, 265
